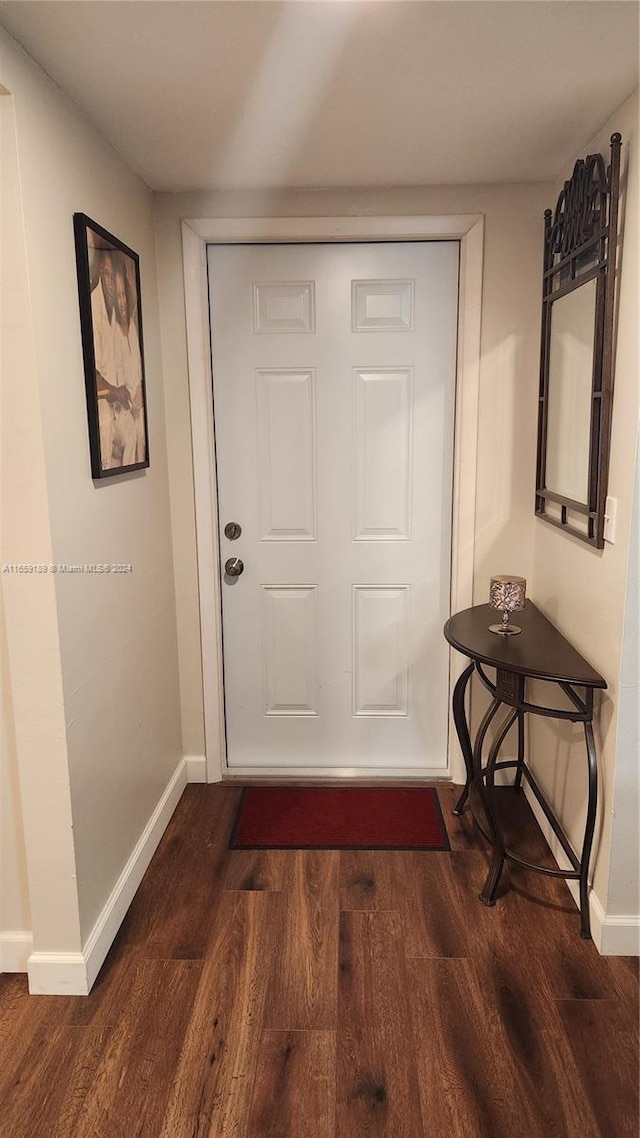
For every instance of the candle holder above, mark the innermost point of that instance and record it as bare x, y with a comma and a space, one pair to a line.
507, 593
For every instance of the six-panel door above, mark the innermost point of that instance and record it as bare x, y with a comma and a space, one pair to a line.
334, 380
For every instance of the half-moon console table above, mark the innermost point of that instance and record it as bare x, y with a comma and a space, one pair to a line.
539, 652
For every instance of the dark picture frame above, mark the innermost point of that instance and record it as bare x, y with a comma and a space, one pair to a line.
113, 350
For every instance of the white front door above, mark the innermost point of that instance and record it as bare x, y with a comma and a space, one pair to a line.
334, 381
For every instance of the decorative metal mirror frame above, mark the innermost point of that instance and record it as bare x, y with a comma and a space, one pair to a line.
580, 242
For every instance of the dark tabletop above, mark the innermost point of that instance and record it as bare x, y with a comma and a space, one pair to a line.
539, 650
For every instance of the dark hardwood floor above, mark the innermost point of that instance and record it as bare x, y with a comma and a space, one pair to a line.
328, 994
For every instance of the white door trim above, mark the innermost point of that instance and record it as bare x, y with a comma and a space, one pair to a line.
196, 234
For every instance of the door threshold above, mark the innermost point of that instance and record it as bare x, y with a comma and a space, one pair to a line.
333, 780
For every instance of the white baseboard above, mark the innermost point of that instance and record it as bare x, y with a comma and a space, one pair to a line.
54, 973
58, 974
620, 934
15, 950
612, 935
103, 932
196, 768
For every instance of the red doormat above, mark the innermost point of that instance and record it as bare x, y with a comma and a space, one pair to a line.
330, 818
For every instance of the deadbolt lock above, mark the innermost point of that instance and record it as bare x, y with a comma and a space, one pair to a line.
233, 567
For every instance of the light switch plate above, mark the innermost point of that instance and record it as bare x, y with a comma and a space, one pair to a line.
610, 511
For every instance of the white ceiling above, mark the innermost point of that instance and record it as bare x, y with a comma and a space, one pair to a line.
247, 93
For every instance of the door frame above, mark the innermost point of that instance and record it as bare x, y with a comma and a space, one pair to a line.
197, 233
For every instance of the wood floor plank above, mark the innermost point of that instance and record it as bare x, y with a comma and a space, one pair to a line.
187, 914
625, 971
467, 1086
372, 980
377, 1088
192, 850
22, 1014
71, 1086
295, 1085
133, 1074
255, 869
524, 907
487, 1072
113, 990
573, 969
607, 1063
16, 1014
541, 912
27, 1024
370, 879
210, 1093
79, 1084
302, 990
519, 827
461, 829
433, 907
193, 866
529, 1031
30, 1104
14, 1000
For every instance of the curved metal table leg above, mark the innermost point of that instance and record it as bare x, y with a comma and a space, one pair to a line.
518, 781
494, 834
488, 894
585, 923
462, 730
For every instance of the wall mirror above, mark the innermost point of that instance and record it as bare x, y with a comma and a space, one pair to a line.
576, 363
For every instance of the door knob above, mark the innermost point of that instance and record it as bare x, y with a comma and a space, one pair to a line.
233, 567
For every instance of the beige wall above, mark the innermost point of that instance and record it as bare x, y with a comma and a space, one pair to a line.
14, 893
583, 590
624, 866
35, 736
15, 915
508, 381
114, 719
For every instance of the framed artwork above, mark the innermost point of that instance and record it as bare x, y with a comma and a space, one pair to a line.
112, 348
